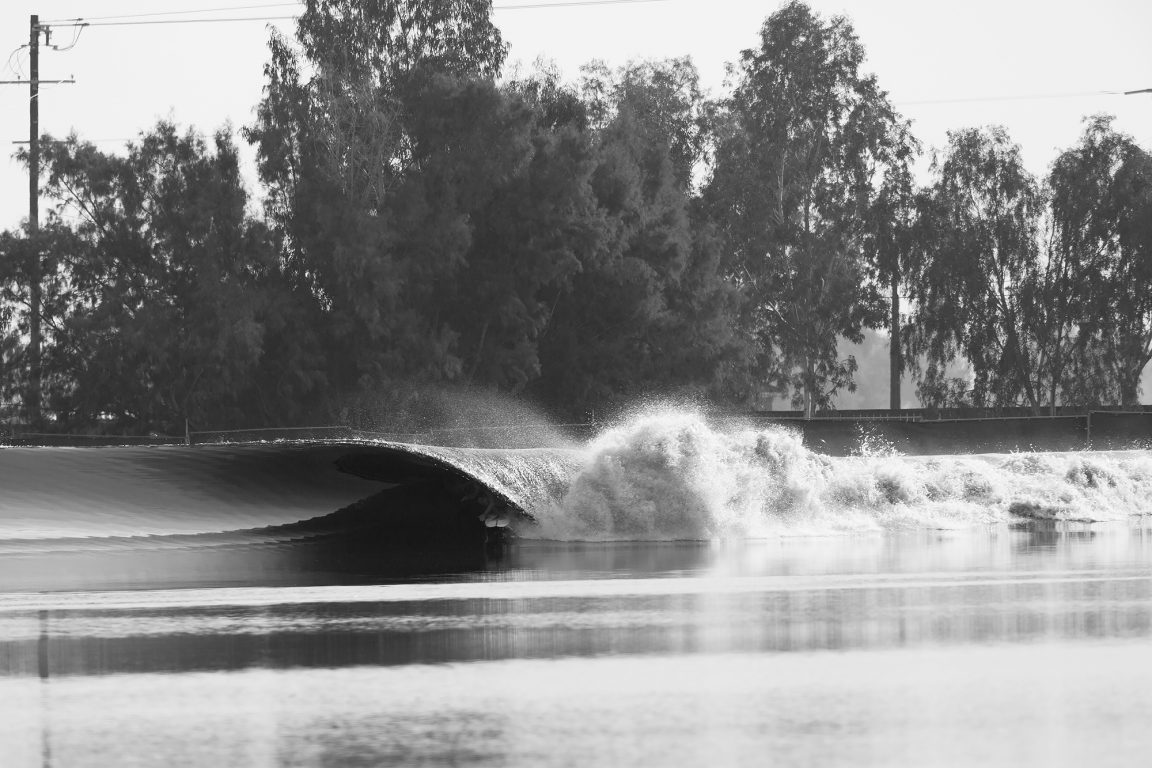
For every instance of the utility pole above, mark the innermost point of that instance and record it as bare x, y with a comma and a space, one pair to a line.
33, 395
35, 266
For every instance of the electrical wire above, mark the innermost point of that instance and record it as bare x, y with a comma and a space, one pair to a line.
571, 4
1023, 97
149, 18
81, 23
16, 54
174, 13
71, 45
85, 140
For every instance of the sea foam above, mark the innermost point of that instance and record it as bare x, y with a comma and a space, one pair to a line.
669, 475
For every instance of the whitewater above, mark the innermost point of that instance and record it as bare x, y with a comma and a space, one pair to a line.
673, 475
661, 475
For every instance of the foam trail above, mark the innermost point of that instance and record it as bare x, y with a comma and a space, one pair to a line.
670, 475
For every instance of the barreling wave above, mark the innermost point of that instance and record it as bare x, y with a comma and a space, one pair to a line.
662, 475
69, 498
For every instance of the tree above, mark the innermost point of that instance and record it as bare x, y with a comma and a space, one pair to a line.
370, 142
1101, 208
647, 311
385, 41
975, 286
156, 298
18, 254
889, 240
520, 181
798, 151
662, 98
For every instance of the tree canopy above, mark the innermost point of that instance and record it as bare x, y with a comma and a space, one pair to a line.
424, 218
800, 145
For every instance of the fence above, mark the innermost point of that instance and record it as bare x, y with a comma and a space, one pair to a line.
525, 435
1096, 430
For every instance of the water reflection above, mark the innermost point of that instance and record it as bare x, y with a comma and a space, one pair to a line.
1046, 704
671, 654
168, 564
662, 599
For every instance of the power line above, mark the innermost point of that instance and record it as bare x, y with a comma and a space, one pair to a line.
571, 4
71, 45
83, 139
80, 23
173, 13
1020, 97
135, 19
16, 54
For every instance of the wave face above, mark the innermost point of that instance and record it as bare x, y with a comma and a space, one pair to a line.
189, 495
671, 475
133, 491
663, 475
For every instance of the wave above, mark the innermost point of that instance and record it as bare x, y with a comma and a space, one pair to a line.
661, 475
673, 475
180, 496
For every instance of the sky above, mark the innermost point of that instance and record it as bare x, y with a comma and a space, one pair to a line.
1035, 67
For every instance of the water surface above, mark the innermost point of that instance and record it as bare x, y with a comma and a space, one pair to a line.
993, 646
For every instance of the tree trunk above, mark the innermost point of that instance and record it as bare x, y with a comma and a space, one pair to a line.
479, 352
809, 395
895, 363
1129, 389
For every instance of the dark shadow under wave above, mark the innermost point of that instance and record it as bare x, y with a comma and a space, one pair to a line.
176, 497
275, 514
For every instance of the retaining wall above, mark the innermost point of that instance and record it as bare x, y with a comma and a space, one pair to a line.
1099, 430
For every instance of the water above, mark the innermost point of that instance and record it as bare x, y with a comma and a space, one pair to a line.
154, 611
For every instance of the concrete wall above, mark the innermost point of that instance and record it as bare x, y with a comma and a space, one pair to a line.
1120, 431
1098, 431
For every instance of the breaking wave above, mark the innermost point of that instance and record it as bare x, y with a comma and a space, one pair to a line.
661, 475
673, 475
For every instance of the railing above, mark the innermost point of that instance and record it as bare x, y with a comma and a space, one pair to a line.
494, 435
520, 435
951, 414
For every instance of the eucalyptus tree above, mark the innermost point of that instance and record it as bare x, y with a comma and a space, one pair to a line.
975, 283
1101, 206
890, 242
800, 153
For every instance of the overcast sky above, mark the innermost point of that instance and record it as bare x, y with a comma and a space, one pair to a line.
946, 65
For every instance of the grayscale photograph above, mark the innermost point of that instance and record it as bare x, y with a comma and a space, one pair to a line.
562, 383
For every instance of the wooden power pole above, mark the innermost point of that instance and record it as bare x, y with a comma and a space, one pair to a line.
32, 396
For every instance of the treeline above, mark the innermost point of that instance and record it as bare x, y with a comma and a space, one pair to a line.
426, 217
